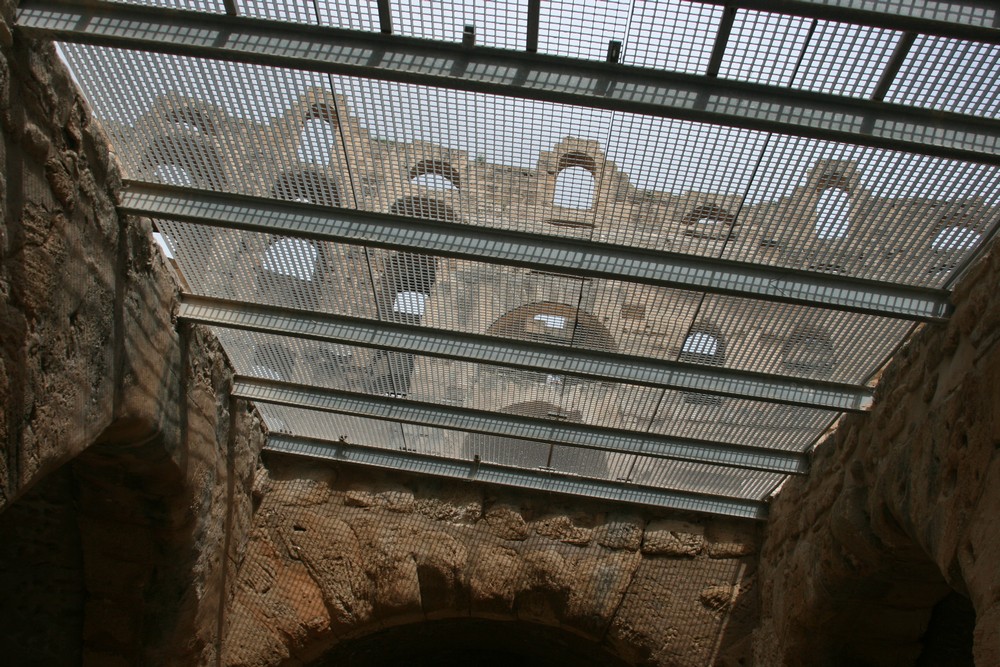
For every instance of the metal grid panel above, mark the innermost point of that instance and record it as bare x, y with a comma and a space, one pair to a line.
950, 75
551, 396
520, 304
672, 34
506, 425
669, 185
542, 481
353, 14
595, 24
871, 213
669, 178
765, 47
213, 6
497, 24
539, 359
551, 78
845, 59
679, 475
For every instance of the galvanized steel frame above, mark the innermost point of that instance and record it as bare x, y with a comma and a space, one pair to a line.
515, 426
527, 355
487, 473
518, 74
536, 251
883, 14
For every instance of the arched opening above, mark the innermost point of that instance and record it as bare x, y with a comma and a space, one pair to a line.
575, 182
436, 174
470, 641
318, 135
96, 553
307, 185
574, 188
509, 451
550, 322
407, 281
833, 214
809, 352
956, 238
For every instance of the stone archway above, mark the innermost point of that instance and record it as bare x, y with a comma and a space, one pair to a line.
337, 553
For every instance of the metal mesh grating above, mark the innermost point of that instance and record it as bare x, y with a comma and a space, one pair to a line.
624, 177
522, 304
545, 395
684, 476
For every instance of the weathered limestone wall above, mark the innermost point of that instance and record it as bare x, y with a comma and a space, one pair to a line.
337, 553
118, 444
900, 509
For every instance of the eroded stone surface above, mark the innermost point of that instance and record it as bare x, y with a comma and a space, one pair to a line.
899, 508
385, 550
104, 393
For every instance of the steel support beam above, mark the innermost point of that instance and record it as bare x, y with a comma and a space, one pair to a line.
977, 20
535, 251
515, 426
524, 75
545, 358
487, 473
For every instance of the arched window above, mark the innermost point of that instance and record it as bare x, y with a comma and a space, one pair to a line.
318, 135
956, 238
408, 278
295, 258
436, 174
833, 214
809, 352
574, 188
552, 322
410, 303
703, 347
407, 281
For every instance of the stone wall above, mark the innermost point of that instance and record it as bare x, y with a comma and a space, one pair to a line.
124, 467
337, 553
894, 529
